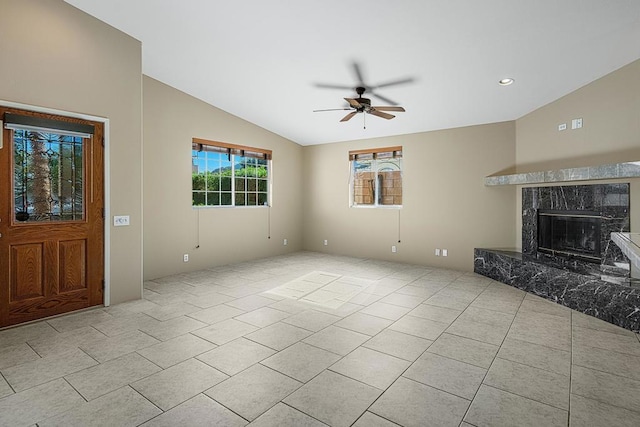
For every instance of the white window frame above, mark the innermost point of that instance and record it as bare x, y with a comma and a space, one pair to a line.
396, 154
234, 151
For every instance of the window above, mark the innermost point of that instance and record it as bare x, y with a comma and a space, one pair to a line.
376, 177
229, 175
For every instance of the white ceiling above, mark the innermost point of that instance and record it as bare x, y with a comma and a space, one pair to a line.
261, 60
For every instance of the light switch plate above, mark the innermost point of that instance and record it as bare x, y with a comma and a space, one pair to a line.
576, 123
120, 220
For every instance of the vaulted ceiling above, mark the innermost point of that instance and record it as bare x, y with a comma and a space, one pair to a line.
267, 61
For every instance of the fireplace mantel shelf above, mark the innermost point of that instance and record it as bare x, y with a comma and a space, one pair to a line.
630, 245
612, 171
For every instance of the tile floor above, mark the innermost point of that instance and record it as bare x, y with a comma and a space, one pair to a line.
310, 340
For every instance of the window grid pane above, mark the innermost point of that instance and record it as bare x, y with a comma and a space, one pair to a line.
376, 182
390, 182
221, 179
363, 182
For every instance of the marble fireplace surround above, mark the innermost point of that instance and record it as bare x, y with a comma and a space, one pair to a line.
601, 290
611, 201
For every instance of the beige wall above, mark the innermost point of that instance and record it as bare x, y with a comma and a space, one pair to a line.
446, 204
69, 61
58, 57
171, 119
610, 108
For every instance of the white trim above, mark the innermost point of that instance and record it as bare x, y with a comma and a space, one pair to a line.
141, 179
107, 187
107, 211
376, 206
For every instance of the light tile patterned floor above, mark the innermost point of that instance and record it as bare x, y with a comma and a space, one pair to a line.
309, 339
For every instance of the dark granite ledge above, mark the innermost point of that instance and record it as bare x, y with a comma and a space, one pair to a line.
509, 252
615, 303
611, 171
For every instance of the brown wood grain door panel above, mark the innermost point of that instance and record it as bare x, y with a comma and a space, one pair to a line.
72, 257
51, 267
27, 272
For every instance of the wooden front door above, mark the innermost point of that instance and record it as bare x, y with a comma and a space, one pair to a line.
51, 215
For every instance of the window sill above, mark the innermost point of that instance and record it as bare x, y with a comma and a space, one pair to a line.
230, 207
376, 207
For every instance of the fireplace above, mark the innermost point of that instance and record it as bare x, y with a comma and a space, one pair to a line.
569, 227
567, 253
570, 234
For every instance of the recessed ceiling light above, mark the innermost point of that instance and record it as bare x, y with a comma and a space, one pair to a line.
506, 82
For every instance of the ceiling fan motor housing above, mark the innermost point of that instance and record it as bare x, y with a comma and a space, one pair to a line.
365, 102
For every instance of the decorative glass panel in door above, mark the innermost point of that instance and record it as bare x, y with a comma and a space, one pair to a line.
48, 181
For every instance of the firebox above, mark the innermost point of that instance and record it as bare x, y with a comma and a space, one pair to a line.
574, 234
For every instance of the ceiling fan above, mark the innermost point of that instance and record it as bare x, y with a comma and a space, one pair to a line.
363, 105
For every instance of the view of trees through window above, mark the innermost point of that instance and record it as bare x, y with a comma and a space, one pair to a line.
226, 179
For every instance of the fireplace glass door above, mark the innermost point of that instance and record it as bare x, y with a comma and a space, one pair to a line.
574, 234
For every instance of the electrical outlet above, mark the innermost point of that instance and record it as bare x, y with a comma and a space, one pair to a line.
437, 252
120, 220
185, 257
326, 242
394, 249
445, 252
562, 126
285, 242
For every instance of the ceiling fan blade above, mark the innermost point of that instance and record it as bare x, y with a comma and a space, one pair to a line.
358, 71
331, 109
332, 86
393, 83
348, 116
381, 114
355, 104
387, 100
388, 108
